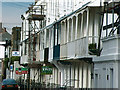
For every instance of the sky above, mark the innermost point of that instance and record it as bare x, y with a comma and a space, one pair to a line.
11, 11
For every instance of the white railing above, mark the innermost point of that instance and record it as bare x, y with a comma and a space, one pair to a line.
78, 47
73, 49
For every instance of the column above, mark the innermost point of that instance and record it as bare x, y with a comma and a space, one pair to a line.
62, 77
89, 76
87, 31
59, 77
76, 76
85, 76
69, 76
72, 76
53, 76
65, 75
80, 74
56, 76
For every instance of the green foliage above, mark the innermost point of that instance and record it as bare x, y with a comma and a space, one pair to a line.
11, 60
92, 46
6, 62
93, 49
14, 58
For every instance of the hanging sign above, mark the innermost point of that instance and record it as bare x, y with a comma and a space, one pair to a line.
46, 70
15, 53
21, 71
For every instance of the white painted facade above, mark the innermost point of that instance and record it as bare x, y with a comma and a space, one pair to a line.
106, 66
74, 45
2, 51
13, 72
106, 69
2, 56
69, 32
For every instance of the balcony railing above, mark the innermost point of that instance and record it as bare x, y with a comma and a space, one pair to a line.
78, 47
74, 49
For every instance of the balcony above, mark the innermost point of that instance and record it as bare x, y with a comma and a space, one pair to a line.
78, 48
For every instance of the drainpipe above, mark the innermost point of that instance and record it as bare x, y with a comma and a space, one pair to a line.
101, 24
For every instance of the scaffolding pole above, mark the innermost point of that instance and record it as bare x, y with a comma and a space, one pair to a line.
33, 16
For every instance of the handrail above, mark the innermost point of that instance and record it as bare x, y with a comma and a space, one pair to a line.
80, 39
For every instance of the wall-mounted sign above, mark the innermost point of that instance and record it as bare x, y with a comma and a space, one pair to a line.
11, 67
21, 71
15, 53
46, 70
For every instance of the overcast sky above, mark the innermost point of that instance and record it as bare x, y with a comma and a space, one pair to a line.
12, 11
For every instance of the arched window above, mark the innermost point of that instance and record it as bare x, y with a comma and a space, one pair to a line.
79, 25
74, 28
70, 29
84, 27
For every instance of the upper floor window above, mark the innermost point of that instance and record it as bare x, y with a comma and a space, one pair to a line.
47, 37
79, 25
70, 29
57, 30
84, 29
74, 28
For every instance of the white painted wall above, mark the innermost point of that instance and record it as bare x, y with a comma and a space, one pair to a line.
13, 74
2, 50
54, 11
59, 8
76, 75
103, 69
107, 65
76, 48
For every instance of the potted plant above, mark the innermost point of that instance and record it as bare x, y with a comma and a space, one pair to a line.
93, 49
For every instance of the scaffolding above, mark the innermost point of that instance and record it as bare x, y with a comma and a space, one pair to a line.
36, 13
